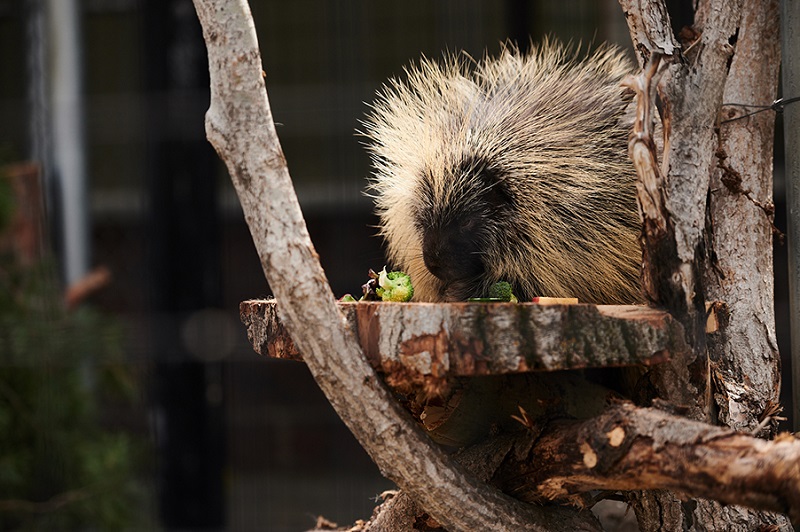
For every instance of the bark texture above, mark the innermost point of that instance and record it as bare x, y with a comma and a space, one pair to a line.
744, 354
239, 124
429, 341
626, 448
629, 448
723, 253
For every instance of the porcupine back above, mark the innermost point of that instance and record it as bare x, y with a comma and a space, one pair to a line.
510, 168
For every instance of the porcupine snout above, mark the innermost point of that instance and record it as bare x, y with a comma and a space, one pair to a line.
451, 253
458, 226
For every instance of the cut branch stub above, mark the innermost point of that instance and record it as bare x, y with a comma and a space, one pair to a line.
420, 342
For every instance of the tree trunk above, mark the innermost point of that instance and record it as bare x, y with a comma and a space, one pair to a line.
716, 186
745, 363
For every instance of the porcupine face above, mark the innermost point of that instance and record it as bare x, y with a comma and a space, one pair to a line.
459, 227
511, 168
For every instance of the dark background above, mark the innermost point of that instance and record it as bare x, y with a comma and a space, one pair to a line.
239, 442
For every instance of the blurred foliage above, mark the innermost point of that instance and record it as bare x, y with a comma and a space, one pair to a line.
59, 468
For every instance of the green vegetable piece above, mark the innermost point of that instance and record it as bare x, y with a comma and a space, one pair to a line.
347, 298
394, 286
502, 291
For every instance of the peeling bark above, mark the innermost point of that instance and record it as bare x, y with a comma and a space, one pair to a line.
744, 355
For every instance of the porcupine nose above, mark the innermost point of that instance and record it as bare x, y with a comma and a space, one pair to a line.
451, 254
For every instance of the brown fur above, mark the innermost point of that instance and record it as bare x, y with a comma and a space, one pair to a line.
520, 164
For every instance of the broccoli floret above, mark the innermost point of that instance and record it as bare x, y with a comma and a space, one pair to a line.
502, 291
394, 286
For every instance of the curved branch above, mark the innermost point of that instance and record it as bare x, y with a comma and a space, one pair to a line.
239, 125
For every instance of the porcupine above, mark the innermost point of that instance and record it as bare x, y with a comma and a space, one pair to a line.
511, 168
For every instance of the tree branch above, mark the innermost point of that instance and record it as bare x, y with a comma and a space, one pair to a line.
239, 125
630, 448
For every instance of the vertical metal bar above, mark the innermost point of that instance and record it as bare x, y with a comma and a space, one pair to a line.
790, 54
69, 152
40, 147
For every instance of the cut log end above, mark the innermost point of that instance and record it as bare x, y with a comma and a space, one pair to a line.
424, 344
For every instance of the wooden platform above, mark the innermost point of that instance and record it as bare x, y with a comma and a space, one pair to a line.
442, 340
